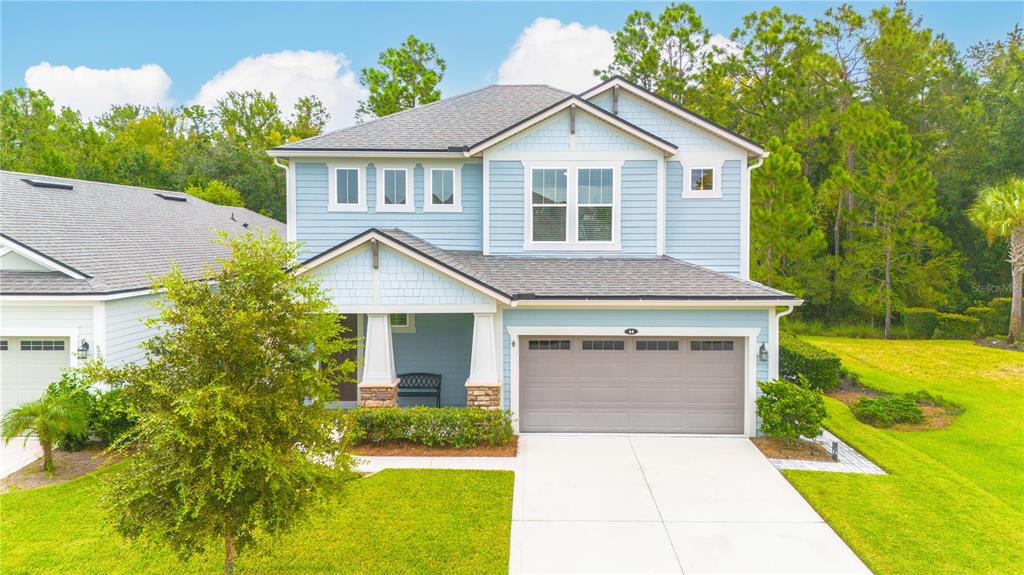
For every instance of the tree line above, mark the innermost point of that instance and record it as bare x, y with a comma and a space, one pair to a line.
880, 136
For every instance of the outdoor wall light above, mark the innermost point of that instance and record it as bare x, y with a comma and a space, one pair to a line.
83, 350
762, 353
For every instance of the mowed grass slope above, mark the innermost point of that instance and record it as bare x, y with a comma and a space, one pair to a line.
954, 502
396, 521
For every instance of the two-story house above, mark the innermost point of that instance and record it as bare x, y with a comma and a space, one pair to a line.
578, 259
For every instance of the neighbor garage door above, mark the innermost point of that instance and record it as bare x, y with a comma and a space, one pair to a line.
631, 384
28, 365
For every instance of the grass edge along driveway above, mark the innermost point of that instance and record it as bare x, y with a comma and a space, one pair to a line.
395, 521
954, 502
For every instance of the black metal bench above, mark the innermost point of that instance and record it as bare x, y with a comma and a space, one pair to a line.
420, 385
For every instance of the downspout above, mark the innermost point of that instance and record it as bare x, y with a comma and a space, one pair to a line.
745, 219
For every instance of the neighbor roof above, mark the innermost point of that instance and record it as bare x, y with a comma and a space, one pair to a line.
560, 278
114, 238
451, 124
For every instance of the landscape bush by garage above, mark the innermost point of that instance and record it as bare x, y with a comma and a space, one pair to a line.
920, 322
957, 326
797, 357
888, 411
788, 410
431, 426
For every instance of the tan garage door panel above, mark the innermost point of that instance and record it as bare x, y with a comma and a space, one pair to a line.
669, 385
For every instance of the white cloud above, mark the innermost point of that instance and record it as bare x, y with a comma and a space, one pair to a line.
291, 75
93, 90
562, 55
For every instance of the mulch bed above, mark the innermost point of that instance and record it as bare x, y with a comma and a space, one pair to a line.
935, 416
416, 450
67, 465
803, 450
998, 344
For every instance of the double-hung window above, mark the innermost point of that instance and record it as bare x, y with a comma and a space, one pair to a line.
702, 182
346, 189
394, 190
443, 190
549, 198
594, 204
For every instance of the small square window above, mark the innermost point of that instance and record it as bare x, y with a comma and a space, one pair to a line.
42, 345
604, 345
3, 345
399, 320
701, 183
657, 345
711, 345
548, 345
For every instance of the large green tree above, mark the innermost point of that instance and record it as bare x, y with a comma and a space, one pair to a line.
407, 77
787, 247
234, 435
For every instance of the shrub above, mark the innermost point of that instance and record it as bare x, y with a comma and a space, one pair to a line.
788, 411
920, 322
957, 326
432, 426
888, 411
922, 397
109, 418
991, 323
1002, 307
73, 387
797, 357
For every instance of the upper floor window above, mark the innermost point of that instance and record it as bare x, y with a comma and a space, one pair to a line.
702, 182
394, 190
346, 189
595, 202
443, 192
549, 202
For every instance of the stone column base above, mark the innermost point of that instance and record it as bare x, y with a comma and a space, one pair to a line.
485, 396
378, 395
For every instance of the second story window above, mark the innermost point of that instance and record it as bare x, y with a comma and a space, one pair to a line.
346, 189
549, 206
394, 190
443, 190
701, 182
595, 203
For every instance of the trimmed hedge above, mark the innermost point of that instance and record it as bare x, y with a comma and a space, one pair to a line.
797, 357
888, 411
957, 326
991, 323
920, 322
431, 426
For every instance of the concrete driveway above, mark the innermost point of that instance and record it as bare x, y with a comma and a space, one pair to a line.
662, 504
17, 454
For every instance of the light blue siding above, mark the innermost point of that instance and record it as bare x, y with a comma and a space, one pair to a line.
442, 344
553, 135
757, 318
662, 124
639, 184
349, 280
320, 229
705, 232
126, 330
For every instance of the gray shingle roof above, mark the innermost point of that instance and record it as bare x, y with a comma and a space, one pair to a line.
533, 277
454, 122
119, 236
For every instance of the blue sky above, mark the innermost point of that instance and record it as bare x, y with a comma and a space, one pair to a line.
322, 46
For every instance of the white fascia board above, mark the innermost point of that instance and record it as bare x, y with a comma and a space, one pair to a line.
40, 258
387, 241
689, 117
622, 303
59, 298
584, 106
361, 154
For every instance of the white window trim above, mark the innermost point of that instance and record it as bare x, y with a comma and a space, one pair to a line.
572, 207
716, 192
332, 189
410, 190
428, 189
409, 327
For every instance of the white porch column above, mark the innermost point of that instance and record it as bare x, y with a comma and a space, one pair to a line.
483, 388
378, 386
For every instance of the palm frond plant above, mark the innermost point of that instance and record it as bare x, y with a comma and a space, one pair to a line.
50, 418
999, 212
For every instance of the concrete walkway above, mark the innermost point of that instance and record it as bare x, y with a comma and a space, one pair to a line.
17, 454
653, 504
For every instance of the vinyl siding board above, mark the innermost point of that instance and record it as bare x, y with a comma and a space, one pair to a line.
626, 318
554, 135
506, 206
319, 229
704, 231
442, 344
663, 124
125, 328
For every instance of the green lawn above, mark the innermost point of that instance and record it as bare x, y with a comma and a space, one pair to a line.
396, 521
954, 502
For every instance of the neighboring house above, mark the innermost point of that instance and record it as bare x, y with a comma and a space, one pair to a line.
578, 259
77, 260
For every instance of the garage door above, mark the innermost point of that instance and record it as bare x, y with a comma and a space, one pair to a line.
28, 365
631, 384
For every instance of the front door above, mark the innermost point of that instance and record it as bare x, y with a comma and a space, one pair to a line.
347, 390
